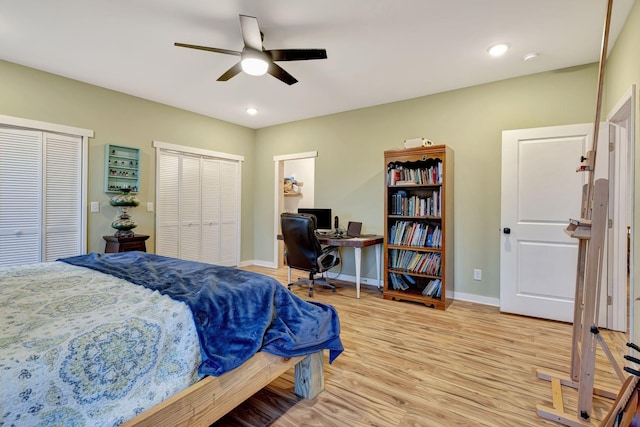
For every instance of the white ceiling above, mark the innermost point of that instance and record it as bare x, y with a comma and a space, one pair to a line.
379, 51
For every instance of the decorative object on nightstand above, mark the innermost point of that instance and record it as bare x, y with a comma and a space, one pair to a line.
124, 224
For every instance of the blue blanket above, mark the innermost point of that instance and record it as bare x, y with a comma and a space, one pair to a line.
237, 313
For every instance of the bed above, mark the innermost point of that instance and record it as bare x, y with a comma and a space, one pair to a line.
139, 339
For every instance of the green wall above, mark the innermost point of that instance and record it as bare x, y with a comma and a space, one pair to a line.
350, 145
349, 167
623, 71
122, 119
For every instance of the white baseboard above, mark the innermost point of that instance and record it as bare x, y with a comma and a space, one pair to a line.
258, 263
366, 281
363, 280
479, 299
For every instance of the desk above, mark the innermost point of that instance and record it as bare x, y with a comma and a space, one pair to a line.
357, 243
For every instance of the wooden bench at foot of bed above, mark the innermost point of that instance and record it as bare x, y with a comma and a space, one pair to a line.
211, 398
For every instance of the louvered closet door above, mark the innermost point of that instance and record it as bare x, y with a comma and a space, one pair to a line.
63, 196
190, 217
20, 196
229, 213
211, 202
168, 209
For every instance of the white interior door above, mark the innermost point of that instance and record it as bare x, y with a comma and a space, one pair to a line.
190, 209
198, 204
20, 196
168, 204
229, 230
211, 201
63, 199
541, 191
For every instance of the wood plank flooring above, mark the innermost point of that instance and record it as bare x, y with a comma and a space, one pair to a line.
408, 365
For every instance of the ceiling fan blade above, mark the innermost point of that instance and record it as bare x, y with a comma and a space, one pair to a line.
297, 54
209, 49
280, 74
251, 32
231, 72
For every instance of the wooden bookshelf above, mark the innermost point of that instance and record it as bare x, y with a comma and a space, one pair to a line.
418, 244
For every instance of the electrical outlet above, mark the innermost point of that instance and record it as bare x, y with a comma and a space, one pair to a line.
477, 274
149, 206
95, 206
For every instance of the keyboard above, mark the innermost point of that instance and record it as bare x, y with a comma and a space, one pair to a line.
331, 235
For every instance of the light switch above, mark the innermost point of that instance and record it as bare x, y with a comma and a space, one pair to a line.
95, 206
149, 206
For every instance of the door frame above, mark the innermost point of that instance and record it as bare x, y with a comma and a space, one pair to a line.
278, 250
621, 182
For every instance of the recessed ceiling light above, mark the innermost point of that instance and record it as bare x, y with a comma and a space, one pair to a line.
498, 49
530, 56
252, 111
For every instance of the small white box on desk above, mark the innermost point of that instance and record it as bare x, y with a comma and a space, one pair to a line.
417, 142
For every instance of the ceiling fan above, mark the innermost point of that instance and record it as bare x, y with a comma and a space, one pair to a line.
255, 60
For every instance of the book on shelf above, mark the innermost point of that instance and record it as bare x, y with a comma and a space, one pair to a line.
433, 289
430, 173
417, 234
428, 263
397, 282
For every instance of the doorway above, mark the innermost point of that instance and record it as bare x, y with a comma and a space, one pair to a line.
621, 159
524, 289
305, 177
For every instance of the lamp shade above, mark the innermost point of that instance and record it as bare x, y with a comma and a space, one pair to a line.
254, 63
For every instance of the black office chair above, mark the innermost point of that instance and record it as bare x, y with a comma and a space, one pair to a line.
304, 252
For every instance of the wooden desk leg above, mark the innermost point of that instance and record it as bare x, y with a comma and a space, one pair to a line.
378, 266
358, 259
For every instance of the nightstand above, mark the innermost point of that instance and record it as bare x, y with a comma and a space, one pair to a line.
124, 244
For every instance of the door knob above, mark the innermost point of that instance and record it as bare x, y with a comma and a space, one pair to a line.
506, 230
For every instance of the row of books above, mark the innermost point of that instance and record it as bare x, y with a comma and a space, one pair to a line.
420, 234
401, 174
433, 289
415, 205
401, 282
416, 262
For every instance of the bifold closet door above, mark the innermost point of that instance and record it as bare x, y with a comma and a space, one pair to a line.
63, 196
20, 196
229, 221
211, 204
198, 208
168, 204
41, 187
190, 209
220, 212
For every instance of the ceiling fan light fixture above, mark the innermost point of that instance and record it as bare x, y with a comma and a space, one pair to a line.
254, 63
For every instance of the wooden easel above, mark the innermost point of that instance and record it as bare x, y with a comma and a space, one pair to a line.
590, 231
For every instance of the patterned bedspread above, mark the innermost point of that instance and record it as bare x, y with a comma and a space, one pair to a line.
65, 331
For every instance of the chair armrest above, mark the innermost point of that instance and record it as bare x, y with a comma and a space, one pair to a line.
324, 261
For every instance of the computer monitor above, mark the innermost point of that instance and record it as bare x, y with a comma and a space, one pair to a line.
323, 217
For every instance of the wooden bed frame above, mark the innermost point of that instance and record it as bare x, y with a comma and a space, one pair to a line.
211, 398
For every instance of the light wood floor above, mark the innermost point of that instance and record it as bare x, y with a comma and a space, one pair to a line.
408, 365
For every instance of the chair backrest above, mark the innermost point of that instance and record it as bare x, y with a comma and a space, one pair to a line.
303, 247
